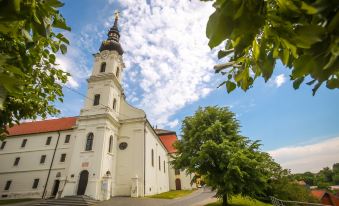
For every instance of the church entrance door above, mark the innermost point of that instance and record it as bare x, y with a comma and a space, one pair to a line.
55, 188
82, 182
177, 184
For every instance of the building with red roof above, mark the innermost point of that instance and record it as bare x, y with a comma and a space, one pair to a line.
325, 197
109, 150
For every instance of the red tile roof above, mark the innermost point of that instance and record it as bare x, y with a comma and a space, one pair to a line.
325, 197
318, 193
50, 125
168, 140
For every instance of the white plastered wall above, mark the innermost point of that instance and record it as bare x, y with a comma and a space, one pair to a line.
157, 180
29, 167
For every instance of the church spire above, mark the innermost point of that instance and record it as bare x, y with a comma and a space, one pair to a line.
112, 42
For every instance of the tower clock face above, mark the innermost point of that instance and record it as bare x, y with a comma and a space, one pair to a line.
123, 145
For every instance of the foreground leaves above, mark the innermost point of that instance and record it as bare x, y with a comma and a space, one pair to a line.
29, 81
303, 34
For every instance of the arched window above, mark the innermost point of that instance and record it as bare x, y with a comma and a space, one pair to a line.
103, 67
152, 158
117, 73
114, 103
89, 142
110, 144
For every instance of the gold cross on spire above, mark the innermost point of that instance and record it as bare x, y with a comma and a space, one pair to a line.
116, 14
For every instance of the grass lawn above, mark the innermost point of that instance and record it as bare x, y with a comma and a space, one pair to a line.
12, 201
240, 201
172, 194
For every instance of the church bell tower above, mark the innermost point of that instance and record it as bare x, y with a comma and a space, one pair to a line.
92, 170
104, 85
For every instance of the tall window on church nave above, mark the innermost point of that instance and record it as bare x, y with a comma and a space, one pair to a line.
89, 142
110, 144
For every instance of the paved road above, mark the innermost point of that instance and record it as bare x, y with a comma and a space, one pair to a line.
198, 197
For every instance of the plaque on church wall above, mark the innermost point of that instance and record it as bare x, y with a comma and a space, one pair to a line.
123, 145
84, 164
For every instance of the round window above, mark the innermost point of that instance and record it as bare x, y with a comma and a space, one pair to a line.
123, 145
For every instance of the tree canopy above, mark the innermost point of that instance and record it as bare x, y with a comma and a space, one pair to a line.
302, 34
323, 179
230, 163
29, 79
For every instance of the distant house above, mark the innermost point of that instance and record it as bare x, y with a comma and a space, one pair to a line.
325, 197
334, 187
301, 182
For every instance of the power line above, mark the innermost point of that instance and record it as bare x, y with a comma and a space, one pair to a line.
79, 93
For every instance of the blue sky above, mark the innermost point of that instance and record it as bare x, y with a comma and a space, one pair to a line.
169, 74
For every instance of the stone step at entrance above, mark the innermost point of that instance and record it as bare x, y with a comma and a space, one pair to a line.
76, 200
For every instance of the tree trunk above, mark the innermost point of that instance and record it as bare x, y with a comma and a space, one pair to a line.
224, 200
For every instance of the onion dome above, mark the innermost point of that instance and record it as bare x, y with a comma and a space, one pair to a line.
112, 42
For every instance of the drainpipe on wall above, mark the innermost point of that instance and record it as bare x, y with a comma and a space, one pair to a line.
50, 167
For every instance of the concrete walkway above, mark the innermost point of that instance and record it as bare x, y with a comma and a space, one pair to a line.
197, 198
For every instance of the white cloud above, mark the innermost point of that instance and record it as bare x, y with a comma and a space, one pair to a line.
74, 62
312, 157
279, 80
167, 55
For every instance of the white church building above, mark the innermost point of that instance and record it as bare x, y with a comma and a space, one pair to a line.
109, 150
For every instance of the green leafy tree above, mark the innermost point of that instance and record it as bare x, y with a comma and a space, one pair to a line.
283, 186
308, 177
212, 147
335, 169
303, 34
29, 80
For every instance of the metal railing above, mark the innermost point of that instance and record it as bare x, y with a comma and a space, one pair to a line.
277, 202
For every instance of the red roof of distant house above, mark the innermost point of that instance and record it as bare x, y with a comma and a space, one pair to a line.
325, 197
50, 125
318, 193
167, 138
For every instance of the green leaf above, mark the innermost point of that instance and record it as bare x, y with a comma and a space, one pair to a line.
307, 35
62, 38
219, 27
303, 66
268, 66
256, 50
26, 35
332, 83
54, 3
230, 86
308, 8
60, 23
290, 47
63, 48
297, 82
240, 11
316, 87
16, 5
